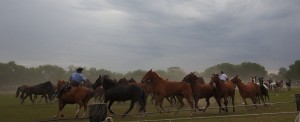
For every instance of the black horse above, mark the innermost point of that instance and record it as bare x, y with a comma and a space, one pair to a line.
115, 92
43, 89
263, 89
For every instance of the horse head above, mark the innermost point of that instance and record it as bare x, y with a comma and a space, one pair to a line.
253, 79
261, 80
98, 82
132, 81
147, 77
60, 83
123, 81
189, 78
236, 79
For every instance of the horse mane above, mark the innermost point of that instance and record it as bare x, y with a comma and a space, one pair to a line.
98, 82
108, 83
156, 75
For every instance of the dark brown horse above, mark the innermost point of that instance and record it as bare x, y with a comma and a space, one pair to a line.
224, 90
76, 95
45, 89
20, 89
99, 90
200, 89
117, 92
250, 90
263, 89
163, 88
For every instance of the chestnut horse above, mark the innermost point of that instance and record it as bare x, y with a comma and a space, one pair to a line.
224, 90
80, 95
250, 90
163, 88
200, 89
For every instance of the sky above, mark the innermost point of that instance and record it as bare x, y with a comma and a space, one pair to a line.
127, 35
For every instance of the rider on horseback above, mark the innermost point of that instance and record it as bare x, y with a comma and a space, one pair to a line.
223, 76
75, 80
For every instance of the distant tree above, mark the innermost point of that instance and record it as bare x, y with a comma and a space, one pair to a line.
294, 71
136, 75
245, 70
283, 73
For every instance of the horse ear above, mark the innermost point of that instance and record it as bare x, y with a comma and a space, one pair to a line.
150, 70
237, 76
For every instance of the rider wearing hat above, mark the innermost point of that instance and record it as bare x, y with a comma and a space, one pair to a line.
75, 79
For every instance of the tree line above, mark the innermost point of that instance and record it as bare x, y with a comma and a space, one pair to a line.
12, 74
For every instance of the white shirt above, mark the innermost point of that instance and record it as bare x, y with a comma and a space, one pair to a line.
223, 77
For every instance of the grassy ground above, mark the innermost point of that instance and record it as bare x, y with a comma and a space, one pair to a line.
12, 111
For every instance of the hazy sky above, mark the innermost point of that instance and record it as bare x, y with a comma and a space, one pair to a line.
126, 35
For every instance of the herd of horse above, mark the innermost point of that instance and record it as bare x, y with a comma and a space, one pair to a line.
192, 88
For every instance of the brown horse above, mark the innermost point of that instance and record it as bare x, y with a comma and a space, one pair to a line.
163, 88
80, 95
200, 89
224, 90
250, 90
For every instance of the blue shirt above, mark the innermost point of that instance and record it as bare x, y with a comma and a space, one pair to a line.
77, 77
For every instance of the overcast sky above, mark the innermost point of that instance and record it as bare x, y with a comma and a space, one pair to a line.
126, 35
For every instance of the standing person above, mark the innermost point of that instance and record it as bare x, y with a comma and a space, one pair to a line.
223, 76
75, 79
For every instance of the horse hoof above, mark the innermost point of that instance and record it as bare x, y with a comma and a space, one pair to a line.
76, 116
62, 116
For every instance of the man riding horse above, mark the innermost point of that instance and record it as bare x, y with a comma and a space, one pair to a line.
75, 80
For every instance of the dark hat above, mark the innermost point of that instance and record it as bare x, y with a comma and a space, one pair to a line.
222, 72
79, 69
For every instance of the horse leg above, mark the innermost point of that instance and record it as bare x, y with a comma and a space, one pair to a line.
196, 99
109, 105
131, 106
84, 109
262, 99
60, 108
23, 98
245, 103
45, 98
218, 99
158, 103
192, 103
226, 103
207, 104
232, 101
254, 100
31, 98
181, 104
80, 103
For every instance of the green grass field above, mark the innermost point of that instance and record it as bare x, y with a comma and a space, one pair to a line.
12, 111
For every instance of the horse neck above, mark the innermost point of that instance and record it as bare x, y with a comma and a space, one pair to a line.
107, 84
240, 84
218, 82
156, 79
